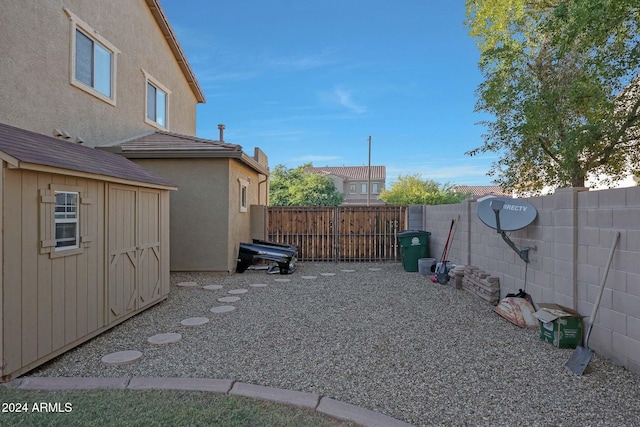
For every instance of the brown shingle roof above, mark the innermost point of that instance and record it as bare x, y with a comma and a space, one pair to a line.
160, 141
352, 172
34, 148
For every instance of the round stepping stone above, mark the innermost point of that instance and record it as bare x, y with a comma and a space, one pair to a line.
212, 287
327, 274
194, 321
259, 285
187, 284
238, 291
229, 299
222, 309
165, 338
282, 280
347, 271
309, 277
121, 358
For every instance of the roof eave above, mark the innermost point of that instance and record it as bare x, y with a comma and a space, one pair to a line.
172, 40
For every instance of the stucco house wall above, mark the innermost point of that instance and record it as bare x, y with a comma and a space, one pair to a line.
36, 51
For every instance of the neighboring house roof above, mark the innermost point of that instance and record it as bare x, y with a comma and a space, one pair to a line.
351, 172
482, 190
161, 144
172, 40
28, 150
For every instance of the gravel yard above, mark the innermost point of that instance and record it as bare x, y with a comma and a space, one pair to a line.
375, 336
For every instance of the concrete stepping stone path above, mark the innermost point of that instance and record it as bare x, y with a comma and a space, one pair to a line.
167, 338
309, 277
229, 299
347, 271
327, 274
238, 291
222, 309
212, 287
121, 358
188, 284
259, 285
194, 321
282, 280
375, 269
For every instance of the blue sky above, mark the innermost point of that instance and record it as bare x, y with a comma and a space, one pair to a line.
311, 80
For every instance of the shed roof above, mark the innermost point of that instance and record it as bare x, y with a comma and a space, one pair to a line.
351, 172
161, 144
22, 148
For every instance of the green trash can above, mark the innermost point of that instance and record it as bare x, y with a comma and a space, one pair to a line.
414, 244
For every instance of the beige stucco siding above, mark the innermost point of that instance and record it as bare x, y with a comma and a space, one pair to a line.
199, 211
240, 222
35, 46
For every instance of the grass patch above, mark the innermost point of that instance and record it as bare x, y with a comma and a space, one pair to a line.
126, 408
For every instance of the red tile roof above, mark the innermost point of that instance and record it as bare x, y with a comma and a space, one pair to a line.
352, 172
34, 148
482, 190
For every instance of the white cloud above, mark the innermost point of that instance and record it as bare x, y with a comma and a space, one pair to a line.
343, 98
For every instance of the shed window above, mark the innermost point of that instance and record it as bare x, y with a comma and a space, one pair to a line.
66, 220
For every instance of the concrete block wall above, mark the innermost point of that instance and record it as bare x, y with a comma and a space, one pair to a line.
572, 236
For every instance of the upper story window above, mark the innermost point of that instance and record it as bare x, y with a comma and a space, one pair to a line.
363, 188
157, 102
375, 188
93, 61
353, 188
66, 220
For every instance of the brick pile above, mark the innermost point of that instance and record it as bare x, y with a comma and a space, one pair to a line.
481, 284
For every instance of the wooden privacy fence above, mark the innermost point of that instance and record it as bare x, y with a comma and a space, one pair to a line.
344, 233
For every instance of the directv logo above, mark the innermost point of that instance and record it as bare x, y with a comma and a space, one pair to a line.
514, 208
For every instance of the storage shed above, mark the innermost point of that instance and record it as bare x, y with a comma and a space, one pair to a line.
84, 245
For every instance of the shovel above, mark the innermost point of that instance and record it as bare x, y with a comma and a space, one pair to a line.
581, 357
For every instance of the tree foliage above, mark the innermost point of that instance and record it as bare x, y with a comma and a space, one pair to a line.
296, 187
413, 190
561, 80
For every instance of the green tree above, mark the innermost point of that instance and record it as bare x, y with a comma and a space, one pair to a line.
296, 187
413, 190
561, 82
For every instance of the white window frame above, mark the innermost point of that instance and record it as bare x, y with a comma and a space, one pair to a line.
78, 24
363, 188
375, 188
149, 80
243, 194
66, 218
353, 188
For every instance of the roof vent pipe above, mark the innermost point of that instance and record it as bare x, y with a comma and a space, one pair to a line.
221, 128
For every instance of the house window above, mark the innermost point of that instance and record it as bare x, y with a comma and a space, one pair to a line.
156, 103
66, 220
93, 61
244, 195
363, 188
353, 188
374, 188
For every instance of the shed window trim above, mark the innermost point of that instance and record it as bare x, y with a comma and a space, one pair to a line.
101, 50
156, 104
244, 194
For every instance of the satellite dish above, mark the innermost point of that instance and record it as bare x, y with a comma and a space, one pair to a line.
515, 214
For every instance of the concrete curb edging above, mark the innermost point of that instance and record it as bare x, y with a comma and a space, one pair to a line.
316, 402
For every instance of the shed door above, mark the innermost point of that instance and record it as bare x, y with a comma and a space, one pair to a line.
133, 234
